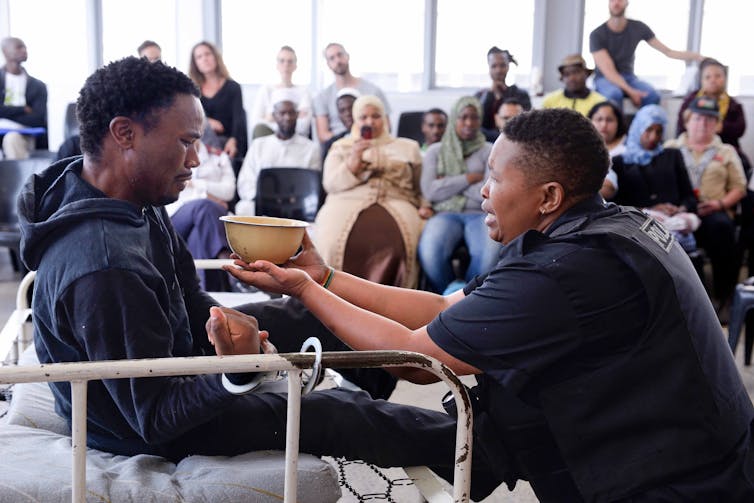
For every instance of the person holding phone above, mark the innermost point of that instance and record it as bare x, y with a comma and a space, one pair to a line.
370, 223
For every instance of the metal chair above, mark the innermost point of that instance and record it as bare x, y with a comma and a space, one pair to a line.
289, 193
13, 175
410, 126
743, 301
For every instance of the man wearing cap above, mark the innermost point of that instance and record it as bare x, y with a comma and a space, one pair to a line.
328, 122
613, 45
344, 104
717, 177
283, 149
575, 94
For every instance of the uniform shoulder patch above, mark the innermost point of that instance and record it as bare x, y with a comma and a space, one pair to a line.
657, 233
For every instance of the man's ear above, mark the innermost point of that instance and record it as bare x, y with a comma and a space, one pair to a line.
122, 131
553, 196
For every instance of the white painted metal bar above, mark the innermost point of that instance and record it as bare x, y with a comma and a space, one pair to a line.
293, 425
84, 371
78, 439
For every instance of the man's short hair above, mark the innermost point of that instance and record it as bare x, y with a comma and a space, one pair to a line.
331, 44
146, 44
559, 145
131, 87
512, 101
439, 111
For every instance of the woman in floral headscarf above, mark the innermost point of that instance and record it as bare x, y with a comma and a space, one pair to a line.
654, 178
370, 223
452, 176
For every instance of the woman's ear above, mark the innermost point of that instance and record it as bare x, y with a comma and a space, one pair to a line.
122, 131
553, 196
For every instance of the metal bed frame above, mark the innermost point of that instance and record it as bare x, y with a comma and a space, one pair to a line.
79, 373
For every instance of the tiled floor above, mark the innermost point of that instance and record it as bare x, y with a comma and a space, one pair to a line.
423, 396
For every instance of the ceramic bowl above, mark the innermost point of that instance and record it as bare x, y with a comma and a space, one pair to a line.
264, 238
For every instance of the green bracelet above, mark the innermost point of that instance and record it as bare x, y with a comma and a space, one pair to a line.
329, 277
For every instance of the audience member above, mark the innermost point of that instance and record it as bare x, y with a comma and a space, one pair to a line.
434, 124
196, 214
130, 291
509, 108
24, 102
607, 118
491, 98
575, 95
344, 104
654, 179
221, 98
718, 178
151, 50
452, 177
370, 222
613, 45
603, 374
713, 80
284, 149
325, 110
261, 113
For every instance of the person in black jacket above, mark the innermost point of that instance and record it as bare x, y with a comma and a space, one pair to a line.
603, 373
24, 102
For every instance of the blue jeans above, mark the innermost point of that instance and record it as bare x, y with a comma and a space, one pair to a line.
615, 93
443, 233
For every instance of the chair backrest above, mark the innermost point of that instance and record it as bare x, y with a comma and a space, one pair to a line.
410, 126
289, 193
71, 124
13, 176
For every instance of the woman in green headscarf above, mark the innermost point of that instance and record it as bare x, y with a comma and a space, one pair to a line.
452, 177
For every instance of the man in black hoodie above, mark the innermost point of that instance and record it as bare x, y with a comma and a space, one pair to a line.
114, 281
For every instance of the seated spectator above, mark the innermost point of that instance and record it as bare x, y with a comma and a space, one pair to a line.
717, 176
261, 114
284, 149
607, 118
491, 99
654, 178
196, 213
370, 223
24, 102
575, 95
509, 108
452, 178
221, 98
151, 50
434, 124
344, 104
713, 81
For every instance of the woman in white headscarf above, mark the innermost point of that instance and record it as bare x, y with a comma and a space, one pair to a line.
370, 223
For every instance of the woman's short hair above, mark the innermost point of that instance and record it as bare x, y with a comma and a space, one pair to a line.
559, 145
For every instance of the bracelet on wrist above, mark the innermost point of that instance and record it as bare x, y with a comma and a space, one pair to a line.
328, 278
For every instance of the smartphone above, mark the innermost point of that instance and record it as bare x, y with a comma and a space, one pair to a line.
366, 132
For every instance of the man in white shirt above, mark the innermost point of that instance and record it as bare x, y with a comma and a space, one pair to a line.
24, 102
284, 149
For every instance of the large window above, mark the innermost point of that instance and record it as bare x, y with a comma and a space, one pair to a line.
668, 19
724, 29
125, 25
385, 40
467, 30
254, 31
58, 51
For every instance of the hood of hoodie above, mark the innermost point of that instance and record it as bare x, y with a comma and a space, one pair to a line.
57, 199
